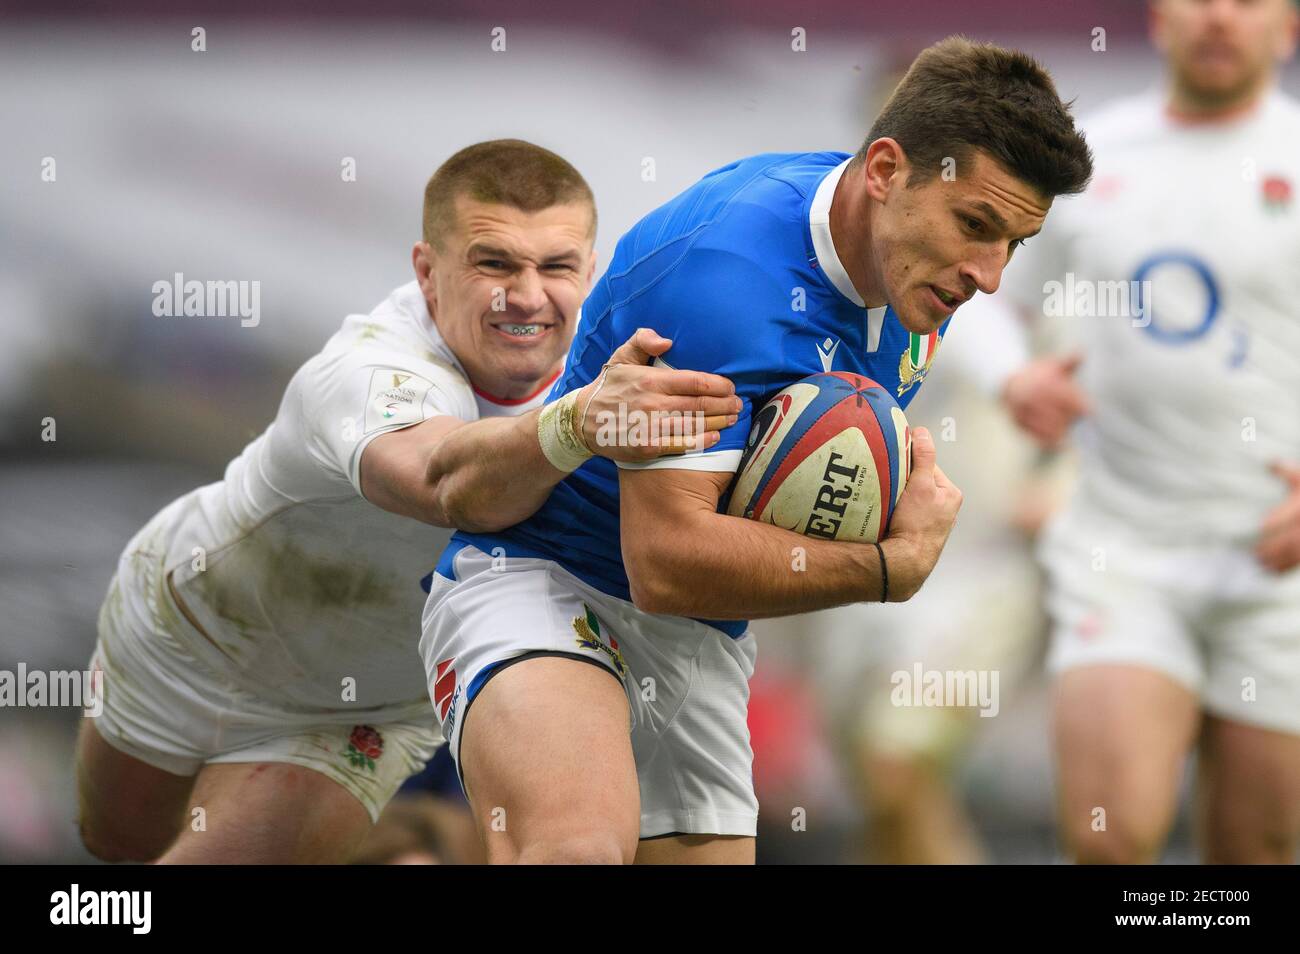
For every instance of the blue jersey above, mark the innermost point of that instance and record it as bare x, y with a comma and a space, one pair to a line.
740, 272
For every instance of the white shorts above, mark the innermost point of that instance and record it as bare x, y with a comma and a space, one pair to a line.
687, 683
168, 706
1210, 618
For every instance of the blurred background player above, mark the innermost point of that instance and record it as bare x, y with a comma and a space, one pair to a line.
1172, 584
258, 640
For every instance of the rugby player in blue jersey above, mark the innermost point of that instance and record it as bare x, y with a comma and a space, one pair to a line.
769, 269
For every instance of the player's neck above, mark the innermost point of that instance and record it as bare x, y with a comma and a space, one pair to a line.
1185, 107
508, 392
850, 205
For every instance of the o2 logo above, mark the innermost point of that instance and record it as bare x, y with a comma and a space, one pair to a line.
1190, 267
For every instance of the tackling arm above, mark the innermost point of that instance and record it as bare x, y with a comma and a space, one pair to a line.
490, 474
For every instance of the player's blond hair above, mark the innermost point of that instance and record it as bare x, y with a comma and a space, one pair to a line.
503, 171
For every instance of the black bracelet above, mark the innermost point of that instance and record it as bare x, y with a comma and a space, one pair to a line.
884, 575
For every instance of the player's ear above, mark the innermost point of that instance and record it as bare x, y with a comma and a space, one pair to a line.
883, 165
591, 269
422, 261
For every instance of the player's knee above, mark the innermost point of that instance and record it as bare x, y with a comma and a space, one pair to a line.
1261, 842
578, 848
1122, 842
1263, 851
113, 847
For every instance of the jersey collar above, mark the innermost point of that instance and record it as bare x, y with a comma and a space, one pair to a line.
515, 402
819, 224
1239, 117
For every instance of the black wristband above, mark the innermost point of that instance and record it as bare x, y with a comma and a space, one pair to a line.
884, 574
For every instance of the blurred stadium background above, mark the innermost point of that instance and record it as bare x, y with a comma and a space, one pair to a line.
226, 164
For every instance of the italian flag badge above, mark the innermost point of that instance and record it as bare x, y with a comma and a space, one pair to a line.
916, 360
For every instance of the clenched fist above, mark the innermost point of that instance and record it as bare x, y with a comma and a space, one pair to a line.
922, 521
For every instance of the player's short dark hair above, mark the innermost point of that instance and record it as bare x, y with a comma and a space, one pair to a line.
958, 96
503, 171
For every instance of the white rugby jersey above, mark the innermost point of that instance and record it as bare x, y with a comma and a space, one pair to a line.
1193, 362
306, 583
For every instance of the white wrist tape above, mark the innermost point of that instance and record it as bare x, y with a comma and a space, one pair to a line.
557, 432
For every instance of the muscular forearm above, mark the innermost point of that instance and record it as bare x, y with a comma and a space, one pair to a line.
722, 567
491, 474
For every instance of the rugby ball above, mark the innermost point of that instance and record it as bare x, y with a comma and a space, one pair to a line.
827, 457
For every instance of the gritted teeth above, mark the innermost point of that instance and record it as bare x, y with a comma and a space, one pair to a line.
520, 330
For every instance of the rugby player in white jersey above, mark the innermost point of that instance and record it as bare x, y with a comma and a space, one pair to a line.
264, 698
1172, 573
